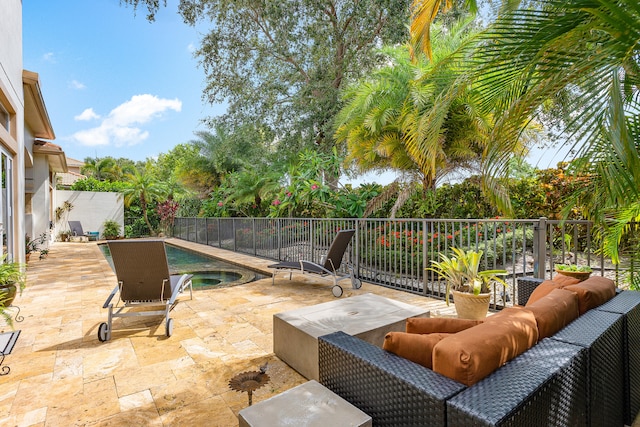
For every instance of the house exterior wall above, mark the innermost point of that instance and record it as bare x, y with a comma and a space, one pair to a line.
12, 100
40, 198
92, 209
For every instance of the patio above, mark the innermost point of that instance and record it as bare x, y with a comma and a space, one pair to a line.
61, 375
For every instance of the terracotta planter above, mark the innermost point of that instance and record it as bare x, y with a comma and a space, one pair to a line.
7, 294
580, 275
470, 306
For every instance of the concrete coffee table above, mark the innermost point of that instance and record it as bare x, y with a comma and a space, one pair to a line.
368, 317
309, 405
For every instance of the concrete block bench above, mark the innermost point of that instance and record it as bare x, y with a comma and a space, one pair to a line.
309, 404
368, 317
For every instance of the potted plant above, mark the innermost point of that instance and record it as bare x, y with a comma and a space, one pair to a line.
34, 245
470, 286
110, 229
580, 272
12, 279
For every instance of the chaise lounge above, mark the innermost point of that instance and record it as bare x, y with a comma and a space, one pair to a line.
584, 372
329, 267
145, 286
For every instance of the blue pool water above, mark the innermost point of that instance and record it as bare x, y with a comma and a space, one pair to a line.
207, 272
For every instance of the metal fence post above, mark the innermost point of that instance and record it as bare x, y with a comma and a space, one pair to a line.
540, 248
357, 249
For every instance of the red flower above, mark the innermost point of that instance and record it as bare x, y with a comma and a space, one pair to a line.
220, 204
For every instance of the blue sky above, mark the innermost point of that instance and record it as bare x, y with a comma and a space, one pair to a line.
115, 84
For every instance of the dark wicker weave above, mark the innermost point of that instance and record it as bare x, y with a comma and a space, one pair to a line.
574, 378
545, 386
628, 304
601, 333
526, 286
392, 390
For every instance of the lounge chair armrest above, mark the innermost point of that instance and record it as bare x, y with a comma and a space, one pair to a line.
313, 264
180, 287
111, 295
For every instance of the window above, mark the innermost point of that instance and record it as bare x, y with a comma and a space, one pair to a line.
5, 118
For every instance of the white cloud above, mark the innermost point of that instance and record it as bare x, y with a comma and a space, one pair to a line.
191, 48
121, 126
87, 115
48, 57
76, 84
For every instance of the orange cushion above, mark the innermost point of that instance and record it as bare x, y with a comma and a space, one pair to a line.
554, 311
547, 286
563, 280
594, 291
416, 347
429, 325
474, 353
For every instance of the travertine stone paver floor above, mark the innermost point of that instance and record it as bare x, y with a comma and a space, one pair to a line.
61, 375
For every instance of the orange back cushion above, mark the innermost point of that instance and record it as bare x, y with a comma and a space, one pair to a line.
429, 325
554, 311
416, 347
594, 291
474, 353
547, 286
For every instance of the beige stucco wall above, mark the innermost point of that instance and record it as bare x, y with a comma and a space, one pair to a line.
92, 209
12, 98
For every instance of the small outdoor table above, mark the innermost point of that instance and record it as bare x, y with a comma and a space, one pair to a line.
369, 317
310, 404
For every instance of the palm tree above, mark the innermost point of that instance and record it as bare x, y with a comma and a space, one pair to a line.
252, 186
144, 187
423, 14
100, 169
417, 116
584, 55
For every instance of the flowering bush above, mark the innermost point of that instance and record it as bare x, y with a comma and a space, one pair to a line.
167, 211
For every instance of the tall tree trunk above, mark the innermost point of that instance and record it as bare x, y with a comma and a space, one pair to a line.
143, 206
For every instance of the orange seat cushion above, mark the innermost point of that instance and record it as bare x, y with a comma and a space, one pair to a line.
594, 291
474, 353
547, 286
554, 311
429, 325
416, 347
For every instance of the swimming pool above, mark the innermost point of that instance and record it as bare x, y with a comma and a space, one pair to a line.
207, 272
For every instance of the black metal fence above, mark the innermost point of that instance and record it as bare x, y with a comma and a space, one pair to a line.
397, 252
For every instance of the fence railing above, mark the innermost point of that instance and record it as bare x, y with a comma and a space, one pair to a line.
397, 252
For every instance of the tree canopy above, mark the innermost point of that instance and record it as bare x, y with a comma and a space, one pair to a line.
283, 63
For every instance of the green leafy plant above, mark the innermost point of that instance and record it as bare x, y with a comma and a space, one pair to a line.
111, 229
573, 267
12, 273
462, 272
12, 278
32, 245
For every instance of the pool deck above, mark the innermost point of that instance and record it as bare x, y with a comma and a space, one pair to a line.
61, 375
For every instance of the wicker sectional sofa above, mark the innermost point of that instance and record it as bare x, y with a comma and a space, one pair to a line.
588, 373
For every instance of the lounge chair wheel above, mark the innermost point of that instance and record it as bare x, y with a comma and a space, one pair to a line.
337, 291
356, 283
169, 328
103, 332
